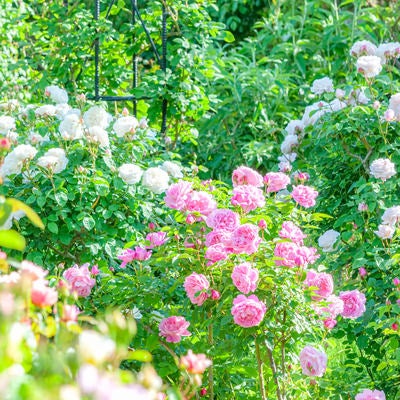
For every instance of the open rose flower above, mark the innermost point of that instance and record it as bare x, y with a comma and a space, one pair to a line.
246, 176
245, 277
177, 195
354, 304
367, 394
327, 240
276, 181
248, 197
312, 361
42, 295
248, 311
173, 328
322, 282
304, 195
223, 219
195, 363
196, 287
80, 279
293, 232
245, 239
382, 168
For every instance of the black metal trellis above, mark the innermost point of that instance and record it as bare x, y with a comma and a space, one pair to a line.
162, 60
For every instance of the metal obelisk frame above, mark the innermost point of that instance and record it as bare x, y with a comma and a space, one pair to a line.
162, 60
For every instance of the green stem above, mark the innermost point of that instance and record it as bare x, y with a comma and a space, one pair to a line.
274, 370
210, 370
260, 370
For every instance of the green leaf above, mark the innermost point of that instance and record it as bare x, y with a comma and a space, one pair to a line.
52, 227
89, 223
12, 240
228, 37
61, 198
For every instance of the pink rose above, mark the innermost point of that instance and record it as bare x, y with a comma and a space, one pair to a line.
80, 280
304, 195
156, 239
276, 181
172, 328
196, 287
367, 394
354, 304
223, 219
362, 271
312, 361
248, 197
334, 306
215, 295
42, 295
245, 278
216, 252
70, 313
219, 236
292, 255
138, 253
177, 195
201, 202
245, 239
293, 232
396, 281
248, 311
195, 363
323, 283
246, 176
31, 272
330, 323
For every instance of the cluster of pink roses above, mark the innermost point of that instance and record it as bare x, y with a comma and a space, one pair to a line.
197, 289
80, 279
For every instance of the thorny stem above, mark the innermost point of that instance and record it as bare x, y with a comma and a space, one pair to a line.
274, 370
260, 369
210, 370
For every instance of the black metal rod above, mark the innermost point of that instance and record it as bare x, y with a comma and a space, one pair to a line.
109, 8
96, 55
134, 58
164, 66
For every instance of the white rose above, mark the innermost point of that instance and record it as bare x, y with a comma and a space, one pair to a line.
363, 48
6, 124
295, 126
46, 111
388, 51
54, 159
56, 94
62, 110
323, 85
394, 104
385, 231
99, 135
314, 112
173, 169
124, 125
289, 142
156, 180
328, 239
369, 66
95, 348
71, 127
97, 116
391, 216
35, 137
382, 168
337, 105
130, 173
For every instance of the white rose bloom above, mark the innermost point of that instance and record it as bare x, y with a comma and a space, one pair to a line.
57, 94
391, 216
54, 159
14, 160
394, 104
173, 169
327, 240
294, 127
6, 124
363, 48
290, 157
62, 110
12, 136
323, 85
337, 105
340, 93
284, 166
156, 180
130, 173
124, 125
24, 152
97, 116
143, 123
382, 168
289, 142
385, 231
71, 127
369, 66
47, 110
9, 105
314, 112
94, 348
99, 135
387, 51
35, 138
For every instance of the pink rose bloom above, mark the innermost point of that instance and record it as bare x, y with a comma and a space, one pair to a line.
246, 176
248, 311
177, 195
156, 239
223, 219
172, 328
354, 304
245, 239
334, 306
196, 287
330, 323
262, 224
310, 254
301, 176
312, 361
141, 253
276, 181
42, 295
304, 195
245, 278
367, 394
138, 253
195, 363
293, 232
216, 252
215, 295
95, 270
201, 202
80, 280
323, 283
31, 271
291, 255
70, 313
219, 236
396, 281
248, 197
362, 271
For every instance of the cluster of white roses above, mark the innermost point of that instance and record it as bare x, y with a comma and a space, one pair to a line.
90, 127
390, 218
